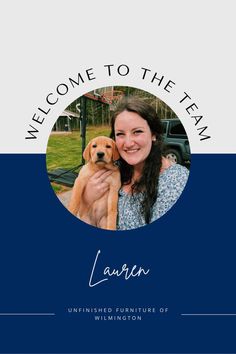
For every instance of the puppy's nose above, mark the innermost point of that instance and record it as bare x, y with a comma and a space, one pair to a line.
100, 154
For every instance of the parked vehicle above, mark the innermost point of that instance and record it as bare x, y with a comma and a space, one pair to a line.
176, 144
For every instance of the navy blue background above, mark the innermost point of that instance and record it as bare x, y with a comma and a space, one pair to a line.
47, 256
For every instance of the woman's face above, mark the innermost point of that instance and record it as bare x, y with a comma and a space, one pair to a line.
133, 138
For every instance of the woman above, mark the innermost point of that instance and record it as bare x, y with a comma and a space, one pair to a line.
150, 183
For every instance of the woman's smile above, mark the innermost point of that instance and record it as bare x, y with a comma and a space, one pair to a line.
131, 151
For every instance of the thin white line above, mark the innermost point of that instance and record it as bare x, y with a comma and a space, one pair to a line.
26, 314
208, 314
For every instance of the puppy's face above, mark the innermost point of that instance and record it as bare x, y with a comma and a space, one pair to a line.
101, 151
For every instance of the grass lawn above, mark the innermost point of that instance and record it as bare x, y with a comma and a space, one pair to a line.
64, 150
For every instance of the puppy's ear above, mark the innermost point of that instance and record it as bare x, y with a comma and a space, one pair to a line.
115, 153
86, 153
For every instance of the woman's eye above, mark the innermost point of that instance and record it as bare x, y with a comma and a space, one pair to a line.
138, 131
119, 134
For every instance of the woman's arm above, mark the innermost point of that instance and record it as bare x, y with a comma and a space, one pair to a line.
171, 185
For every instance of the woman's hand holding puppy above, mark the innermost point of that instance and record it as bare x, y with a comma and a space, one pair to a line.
96, 186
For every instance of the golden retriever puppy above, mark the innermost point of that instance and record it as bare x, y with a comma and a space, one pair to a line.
100, 153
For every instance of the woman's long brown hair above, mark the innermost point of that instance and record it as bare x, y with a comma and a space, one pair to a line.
148, 183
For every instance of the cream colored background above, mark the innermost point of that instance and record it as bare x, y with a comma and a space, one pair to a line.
43, 43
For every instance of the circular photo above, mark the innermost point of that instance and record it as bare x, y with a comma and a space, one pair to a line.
118, 158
